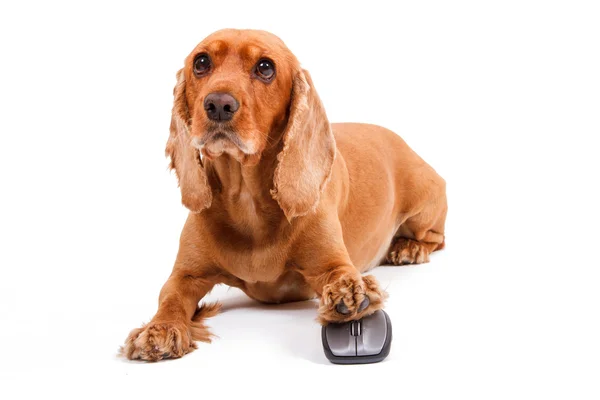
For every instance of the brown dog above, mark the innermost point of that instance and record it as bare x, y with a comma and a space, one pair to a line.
284, 205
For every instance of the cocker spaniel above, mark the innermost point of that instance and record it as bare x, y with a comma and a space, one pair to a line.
283, 204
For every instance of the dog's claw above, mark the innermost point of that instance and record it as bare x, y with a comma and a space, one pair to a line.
365, 303
342, 308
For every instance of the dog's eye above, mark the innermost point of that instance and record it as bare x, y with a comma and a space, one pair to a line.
265, 69
202, 64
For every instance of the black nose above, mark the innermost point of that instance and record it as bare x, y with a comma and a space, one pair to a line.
220, 106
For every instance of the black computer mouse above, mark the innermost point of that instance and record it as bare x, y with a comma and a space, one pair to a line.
367, 340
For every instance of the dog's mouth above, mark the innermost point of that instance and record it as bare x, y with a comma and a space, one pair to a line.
218, 141
219, 135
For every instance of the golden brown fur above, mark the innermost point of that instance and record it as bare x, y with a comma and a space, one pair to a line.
289, 208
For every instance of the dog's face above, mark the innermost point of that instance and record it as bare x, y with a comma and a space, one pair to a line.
240, 92
238, 86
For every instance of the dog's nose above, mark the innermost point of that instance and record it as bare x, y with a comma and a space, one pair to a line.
220, 106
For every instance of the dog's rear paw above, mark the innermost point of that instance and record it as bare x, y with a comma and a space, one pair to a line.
350, 297
406, 251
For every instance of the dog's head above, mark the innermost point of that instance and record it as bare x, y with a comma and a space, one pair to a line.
239, 93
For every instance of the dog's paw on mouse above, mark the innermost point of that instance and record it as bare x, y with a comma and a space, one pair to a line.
350, 297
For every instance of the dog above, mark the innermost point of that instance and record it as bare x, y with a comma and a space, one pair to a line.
283, 204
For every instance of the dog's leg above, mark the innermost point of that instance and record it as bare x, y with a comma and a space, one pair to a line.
324, 262
171, 332
419, 235
179, 322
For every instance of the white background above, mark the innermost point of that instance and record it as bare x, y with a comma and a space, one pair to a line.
502, 98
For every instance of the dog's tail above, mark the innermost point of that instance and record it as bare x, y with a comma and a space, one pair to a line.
198, 329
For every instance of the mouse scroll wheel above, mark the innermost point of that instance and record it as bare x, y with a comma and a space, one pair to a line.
355, 328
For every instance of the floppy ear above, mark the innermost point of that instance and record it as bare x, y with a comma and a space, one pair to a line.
196, 193
308, 151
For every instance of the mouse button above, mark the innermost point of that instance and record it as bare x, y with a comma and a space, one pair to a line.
340, 340
374, 334
355, 328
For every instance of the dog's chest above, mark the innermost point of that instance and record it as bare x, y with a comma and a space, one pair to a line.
255, 247
263, 264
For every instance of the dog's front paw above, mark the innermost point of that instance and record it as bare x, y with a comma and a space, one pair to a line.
157, 341
350, 297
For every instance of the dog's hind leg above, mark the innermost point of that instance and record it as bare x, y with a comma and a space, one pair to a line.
419, 235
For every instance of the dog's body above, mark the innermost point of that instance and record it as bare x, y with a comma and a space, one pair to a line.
299, 212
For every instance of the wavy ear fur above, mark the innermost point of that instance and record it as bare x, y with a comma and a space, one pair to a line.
196, 193
305, 163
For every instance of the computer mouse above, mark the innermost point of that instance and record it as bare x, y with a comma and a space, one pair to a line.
367, 340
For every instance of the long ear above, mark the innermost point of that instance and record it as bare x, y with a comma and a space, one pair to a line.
306, 160
196, 193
